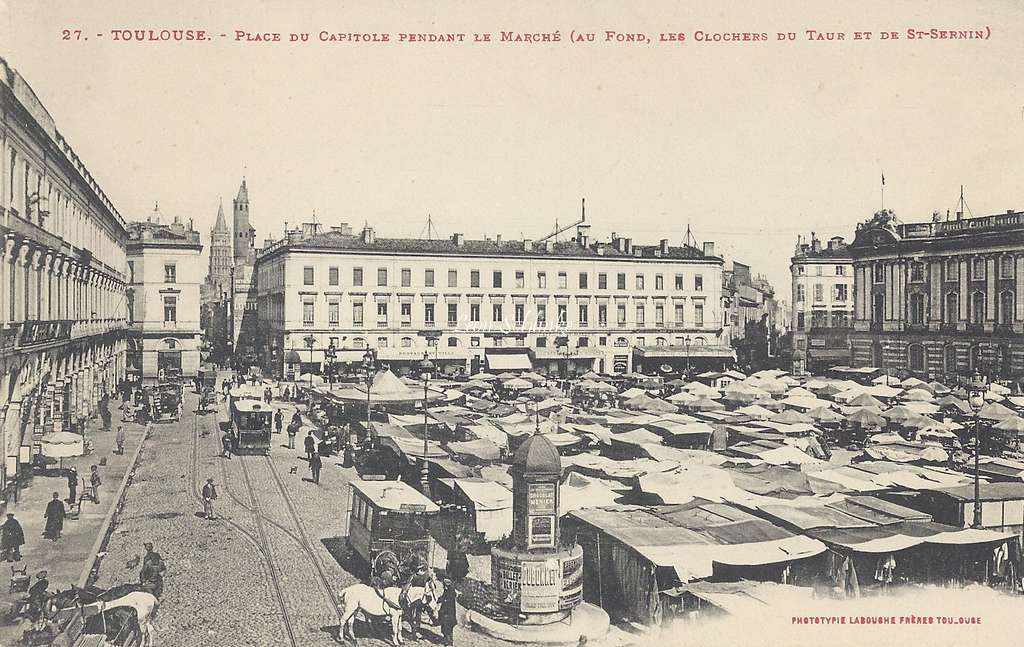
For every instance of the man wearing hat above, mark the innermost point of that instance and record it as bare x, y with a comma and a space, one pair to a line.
12, 537
153, 568
446, 615
37, 594
209, 494
54, 516
72, 485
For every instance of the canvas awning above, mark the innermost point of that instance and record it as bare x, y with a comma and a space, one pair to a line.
508, 361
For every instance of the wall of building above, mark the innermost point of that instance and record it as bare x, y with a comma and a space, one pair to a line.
287, 299
62, 281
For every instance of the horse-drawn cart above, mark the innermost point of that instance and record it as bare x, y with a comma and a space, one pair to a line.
390, 518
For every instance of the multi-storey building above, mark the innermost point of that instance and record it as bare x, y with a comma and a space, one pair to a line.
940, 298
164, 275
560, 307
62, 273
217, 291
822, 315
753, 316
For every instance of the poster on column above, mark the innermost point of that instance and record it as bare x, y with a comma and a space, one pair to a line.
780, 194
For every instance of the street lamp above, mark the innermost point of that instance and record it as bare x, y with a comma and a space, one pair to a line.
426, 366
369, 360
686, 345
976, 398
329, 354
310, 341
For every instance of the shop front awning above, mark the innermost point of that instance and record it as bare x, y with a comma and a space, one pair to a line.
508, 362
413, 355
585, 353
682, 352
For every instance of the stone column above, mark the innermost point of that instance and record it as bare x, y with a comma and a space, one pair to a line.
963, 297
991, 267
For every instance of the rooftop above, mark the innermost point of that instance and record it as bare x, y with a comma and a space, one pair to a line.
366, 242
835, 249
938, 229
153, 231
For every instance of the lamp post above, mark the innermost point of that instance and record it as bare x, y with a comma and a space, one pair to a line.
310, 341
426, 366
369, 359
686, 345
976, 398
329, 354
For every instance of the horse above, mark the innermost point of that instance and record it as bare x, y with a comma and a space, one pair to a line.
144, 604
365, 599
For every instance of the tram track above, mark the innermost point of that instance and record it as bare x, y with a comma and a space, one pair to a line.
259, 540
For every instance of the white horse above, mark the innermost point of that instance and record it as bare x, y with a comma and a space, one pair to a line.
145, 605
365, 599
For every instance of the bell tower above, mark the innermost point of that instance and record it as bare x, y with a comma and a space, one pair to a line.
244, 235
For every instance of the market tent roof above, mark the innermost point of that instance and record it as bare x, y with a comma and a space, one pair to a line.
394, 495
485, 495
865, 400
489, 432
866, 418
824, 415
705, 404
481, 448
1013, 424
632, 393
517, 383
413, 447
995, 411
918, 395
484, 376
636, 437
754, 411
578, 491
791, 417
683, 397
701, 389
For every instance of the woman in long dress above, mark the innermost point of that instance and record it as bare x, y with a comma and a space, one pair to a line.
54, 517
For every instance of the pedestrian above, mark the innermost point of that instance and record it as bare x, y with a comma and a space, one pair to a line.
119, 439
152, 572
314, 466
446, 615
72, 485
278, 421
268, 394
95, 482
37, 595
12, 538
310, 444
209, 495
54, 516
293, 431
286, 394
297, 418
225, 441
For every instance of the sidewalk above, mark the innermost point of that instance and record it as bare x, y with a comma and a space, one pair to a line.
65, 559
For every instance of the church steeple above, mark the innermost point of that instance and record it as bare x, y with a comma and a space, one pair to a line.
221, 224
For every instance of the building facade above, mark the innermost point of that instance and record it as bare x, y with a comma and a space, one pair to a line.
165, 275
822, 314
940, 299
562, 307
62, 281
217, 291
753, 313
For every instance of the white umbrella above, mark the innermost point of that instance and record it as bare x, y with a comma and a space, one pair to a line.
61, 445
517, 383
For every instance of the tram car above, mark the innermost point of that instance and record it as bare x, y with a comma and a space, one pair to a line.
251, 421
389, 519
164, 402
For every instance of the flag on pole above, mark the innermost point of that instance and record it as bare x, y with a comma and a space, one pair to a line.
883, 179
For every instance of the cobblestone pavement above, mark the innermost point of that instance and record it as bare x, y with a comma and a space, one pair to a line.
270, 568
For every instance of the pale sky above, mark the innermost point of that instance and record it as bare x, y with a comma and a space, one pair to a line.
750, 143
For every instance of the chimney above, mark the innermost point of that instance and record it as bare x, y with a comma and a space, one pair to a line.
458, 239
959, 215
600, 250
583, 234
528, 245
709, 248
549, 245
497, 240
663, 244
368, 237
627, 246
815, 243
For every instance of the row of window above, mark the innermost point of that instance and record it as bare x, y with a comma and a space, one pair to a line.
840, 270
952, 359
170, 272
497, 314
358, 343
497, 279
977, 311
170, 309
839, 293
822, 319
977, 268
